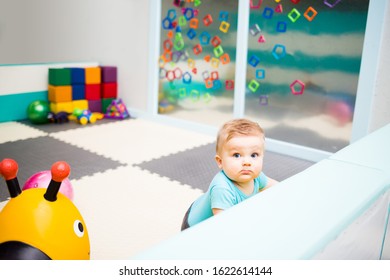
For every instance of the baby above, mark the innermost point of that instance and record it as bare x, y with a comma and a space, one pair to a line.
239, 155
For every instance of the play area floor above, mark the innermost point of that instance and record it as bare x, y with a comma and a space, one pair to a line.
133, 179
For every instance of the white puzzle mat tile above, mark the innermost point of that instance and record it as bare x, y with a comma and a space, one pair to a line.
132, 141
14, 131
128, 210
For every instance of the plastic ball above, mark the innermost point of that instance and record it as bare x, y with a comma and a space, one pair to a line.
341, 111
38, 111
42, 180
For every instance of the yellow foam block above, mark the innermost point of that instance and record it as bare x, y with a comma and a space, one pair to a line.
92, 75
60, 93
57, 107
80, 104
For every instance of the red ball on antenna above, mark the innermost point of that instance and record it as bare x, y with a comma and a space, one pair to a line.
8, 168
60, 171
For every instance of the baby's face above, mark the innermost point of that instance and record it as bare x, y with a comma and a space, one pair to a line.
241, 158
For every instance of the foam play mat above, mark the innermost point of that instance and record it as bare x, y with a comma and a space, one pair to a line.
133, 179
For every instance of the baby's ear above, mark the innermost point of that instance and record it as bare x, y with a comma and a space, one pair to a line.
218, 159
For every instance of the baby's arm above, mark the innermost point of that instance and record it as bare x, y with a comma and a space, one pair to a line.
270, 183
221, 198
216, 211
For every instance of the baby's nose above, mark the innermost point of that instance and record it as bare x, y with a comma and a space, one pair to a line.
247, 161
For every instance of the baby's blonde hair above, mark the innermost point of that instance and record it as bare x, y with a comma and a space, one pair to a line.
238, 127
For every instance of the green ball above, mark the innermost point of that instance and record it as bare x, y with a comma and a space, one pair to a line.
38, 111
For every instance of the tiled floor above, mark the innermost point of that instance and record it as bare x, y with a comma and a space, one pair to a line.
126, 209
127, 198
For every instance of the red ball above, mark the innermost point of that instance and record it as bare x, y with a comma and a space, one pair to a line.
8, 168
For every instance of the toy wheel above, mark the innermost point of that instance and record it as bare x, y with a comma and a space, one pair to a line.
83, 120
92, 119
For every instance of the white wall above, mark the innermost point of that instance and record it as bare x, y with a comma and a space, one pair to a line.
111, 32
116, 32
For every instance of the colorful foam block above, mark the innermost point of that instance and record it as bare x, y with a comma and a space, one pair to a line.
92, 75
92, 92
78, 92
61, 106
95, 105
77, 76
60, 93
80, 104
109, 73
109, 90
59, 76
105, 103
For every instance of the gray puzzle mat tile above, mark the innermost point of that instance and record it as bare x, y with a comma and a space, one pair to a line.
196, 167
56, 127
37, 154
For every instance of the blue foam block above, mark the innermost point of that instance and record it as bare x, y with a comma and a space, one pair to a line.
78, 92
77, 76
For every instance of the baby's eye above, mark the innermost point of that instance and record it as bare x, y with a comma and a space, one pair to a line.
254, 155
236, 155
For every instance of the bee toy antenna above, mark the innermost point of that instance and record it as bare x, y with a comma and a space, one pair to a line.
9, 170
59, 172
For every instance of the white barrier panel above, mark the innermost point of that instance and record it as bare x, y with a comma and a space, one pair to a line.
16, 79
303, 215
363, 238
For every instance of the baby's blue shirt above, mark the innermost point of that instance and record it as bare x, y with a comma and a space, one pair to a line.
222, 194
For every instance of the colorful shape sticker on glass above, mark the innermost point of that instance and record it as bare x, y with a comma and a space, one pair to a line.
191, 33
197, 49
218, 51
255, 5
208, 83
263, 100
206, 97
194, 22
223, 16
253, 85
260, 74
215, 62
225, 58
310, 13
254, 29
279, 9
182, 21
229, 84
268, 13
207, 20
279, 51
297, 87
281, 26
261, 39
195, 95
224, 27
188, 13
331, 5
217, 84
187, 78
204, 38
182, 92
254, 60
294, 15
216, 41
214, 75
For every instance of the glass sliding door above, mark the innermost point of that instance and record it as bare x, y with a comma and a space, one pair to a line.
197, 60
303, 64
